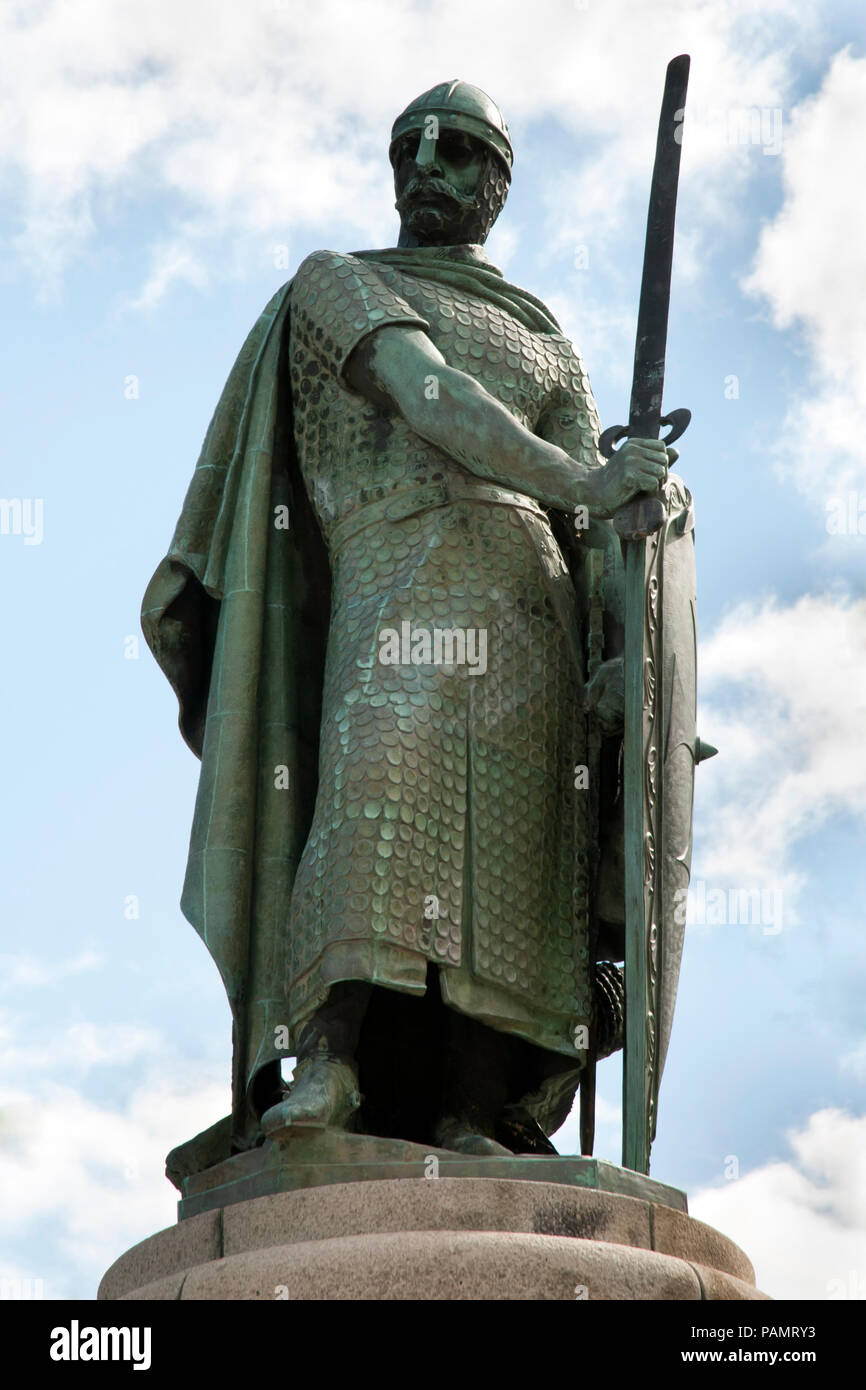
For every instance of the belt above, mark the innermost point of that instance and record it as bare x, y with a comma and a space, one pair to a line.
399, 505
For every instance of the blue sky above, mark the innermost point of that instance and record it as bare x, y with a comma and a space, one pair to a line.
163, 173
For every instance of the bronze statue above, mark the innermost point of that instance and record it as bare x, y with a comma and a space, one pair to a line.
393, 615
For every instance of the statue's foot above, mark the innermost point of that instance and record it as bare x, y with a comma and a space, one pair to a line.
462, 1138
323, 1094
522, 1132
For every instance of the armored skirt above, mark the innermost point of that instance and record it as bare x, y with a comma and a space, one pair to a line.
448, 827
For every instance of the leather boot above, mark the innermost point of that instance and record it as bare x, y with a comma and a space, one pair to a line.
323, 1093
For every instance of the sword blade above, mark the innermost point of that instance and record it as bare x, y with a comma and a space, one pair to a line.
648, 378
644, 422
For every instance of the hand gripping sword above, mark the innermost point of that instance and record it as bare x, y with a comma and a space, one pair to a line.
640, 518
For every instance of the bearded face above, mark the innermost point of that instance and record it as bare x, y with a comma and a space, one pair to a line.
450, 190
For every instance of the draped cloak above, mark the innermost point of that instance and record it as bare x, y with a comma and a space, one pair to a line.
237, 616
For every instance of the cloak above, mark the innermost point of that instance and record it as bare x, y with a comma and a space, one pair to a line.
237, 617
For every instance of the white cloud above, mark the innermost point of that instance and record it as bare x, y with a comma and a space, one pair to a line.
81, 1045
81, 1178
855, 1061
801, 1221
809, 268
784, 690
173, 261
96, 1172
24, 971
608, 1130
261, 118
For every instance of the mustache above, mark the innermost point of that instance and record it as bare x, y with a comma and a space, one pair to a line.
422, 186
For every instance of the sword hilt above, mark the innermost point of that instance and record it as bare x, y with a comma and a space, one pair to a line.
645, 513
639, 518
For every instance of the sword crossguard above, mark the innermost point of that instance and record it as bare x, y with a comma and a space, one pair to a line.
678, 420
644, 514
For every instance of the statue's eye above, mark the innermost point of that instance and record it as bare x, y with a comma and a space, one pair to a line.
405, 149
457, 149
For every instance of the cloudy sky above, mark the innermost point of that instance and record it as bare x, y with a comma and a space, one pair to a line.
164, 169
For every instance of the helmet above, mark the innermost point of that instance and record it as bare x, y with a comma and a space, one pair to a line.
458, 106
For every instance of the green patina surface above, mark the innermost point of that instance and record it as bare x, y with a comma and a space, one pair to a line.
408, 445
323, 1157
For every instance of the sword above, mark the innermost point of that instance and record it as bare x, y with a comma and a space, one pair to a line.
638, 519
643, 515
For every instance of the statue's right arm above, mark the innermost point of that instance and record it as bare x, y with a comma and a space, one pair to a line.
401, 369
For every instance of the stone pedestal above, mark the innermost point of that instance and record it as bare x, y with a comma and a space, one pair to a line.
440, 1237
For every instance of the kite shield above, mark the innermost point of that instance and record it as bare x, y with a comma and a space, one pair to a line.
660, 738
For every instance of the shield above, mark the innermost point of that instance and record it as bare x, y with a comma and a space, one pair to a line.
659, 765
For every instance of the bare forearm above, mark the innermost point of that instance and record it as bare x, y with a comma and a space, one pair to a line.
451, 410
481, 434
401, 370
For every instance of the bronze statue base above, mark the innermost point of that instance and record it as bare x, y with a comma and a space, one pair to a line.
299, 1158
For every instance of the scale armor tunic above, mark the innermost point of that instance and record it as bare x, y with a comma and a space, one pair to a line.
447, 828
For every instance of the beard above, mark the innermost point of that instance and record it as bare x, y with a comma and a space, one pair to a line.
432, 208
437, 214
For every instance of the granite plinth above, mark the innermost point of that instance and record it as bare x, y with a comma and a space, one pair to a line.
441, 1238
